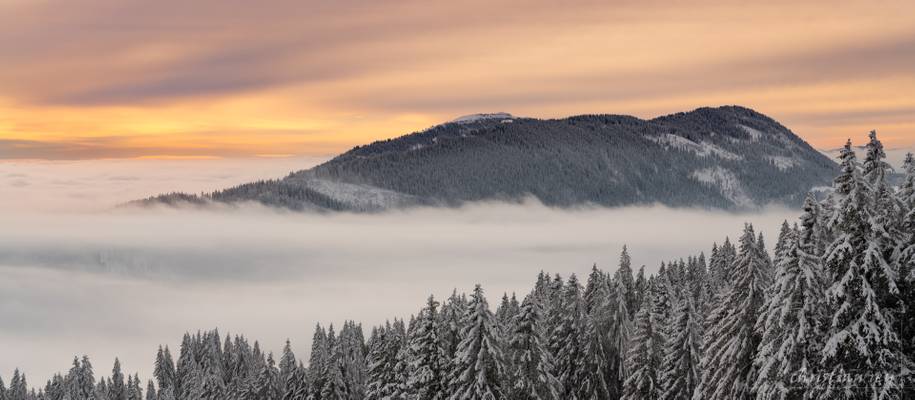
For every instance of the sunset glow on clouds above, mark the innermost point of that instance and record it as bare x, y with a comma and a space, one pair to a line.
111, 79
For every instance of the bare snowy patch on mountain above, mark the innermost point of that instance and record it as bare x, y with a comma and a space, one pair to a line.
466, 119
702, 149
362, 196
726, 182
755, 134
783, 163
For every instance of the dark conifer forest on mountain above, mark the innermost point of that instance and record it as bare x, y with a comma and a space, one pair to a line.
713, 158
828, 315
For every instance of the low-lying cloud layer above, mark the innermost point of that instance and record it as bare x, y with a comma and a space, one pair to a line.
78, 277
118, 284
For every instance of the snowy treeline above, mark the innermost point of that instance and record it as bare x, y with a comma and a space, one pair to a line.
828, 316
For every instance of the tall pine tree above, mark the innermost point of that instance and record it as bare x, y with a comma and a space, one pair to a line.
730, 343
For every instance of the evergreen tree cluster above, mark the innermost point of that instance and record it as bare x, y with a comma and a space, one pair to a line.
829, 315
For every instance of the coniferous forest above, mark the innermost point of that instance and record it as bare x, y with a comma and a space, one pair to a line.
830, 314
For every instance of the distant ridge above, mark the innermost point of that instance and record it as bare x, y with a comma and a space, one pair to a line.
727, 157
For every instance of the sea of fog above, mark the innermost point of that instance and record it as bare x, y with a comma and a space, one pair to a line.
78, 277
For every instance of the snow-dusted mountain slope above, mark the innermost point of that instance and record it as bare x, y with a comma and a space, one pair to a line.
727, 157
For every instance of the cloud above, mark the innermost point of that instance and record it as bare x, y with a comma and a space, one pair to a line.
155, 80
98, 185
87, 279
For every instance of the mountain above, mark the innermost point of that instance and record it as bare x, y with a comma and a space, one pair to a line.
725, 158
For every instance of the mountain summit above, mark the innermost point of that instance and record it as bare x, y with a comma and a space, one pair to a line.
724, 158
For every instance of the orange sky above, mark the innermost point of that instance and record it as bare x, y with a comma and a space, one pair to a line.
222, 78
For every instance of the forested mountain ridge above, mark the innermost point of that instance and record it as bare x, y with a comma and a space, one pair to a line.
726, 157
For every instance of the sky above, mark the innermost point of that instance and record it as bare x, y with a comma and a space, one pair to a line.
94, 79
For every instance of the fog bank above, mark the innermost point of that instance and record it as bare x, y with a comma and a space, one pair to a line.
119, 283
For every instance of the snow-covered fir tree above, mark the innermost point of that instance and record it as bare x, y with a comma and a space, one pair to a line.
334, 385
287, 366
427, 377
730, 343
151, 391
530, 375
619, 338
380, 361
645, 355
597, 320
478, 368
567, 341
791, 324
320, 355
265, 385
117, 389
681, 371
861, 343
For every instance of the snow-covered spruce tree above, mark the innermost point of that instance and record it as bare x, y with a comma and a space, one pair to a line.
553, 310
18, 387
3, 389
151, 391
378, 364
402, 366
352, 358
54, 389
287, 365
619, 337
875, 167
169, 394
296, 387
696, 280
450, 326
80, 380
731, 342
212, 383
164, 369
531, 368
597, 319
624, 275
641, 289
264, 386
906, 260
791, 325
117, 390
334, 386
134, 392
426, 377
664, 296
101, 388
383, 379
906, 193
782, 243
505, 315
478, 364
767, 261
567, 341
320, 353
645, 356
681, 370
861, 344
